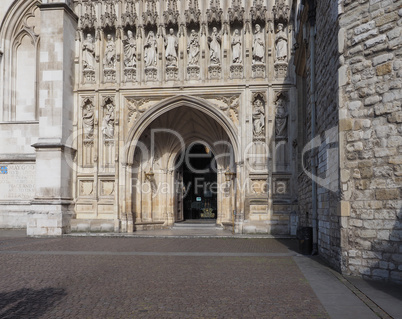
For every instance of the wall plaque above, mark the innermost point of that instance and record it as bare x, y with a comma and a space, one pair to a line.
17, 181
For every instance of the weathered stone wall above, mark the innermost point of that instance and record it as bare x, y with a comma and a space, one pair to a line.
370, 136
326, 61
325, 150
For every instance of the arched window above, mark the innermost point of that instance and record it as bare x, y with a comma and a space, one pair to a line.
19, 40
25, 72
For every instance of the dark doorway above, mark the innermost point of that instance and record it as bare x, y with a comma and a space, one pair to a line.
200, 183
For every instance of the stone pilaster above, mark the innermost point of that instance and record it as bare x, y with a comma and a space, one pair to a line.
52, 209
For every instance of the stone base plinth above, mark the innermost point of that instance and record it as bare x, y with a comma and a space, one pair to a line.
49, 220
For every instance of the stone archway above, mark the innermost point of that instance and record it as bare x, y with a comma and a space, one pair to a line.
155, 146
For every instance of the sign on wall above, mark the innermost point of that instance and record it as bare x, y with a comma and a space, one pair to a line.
17, 181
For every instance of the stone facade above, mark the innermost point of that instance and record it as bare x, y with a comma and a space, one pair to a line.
299, 101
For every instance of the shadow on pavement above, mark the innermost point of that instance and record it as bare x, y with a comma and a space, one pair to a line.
28, 303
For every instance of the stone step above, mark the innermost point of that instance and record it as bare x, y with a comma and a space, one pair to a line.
187, 225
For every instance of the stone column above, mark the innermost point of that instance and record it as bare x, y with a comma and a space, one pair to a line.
53, 204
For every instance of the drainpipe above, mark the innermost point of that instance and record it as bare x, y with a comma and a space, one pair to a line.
314, 163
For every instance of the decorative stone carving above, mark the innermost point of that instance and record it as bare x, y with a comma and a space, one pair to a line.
136, 108
109, 18
193, 13
88, 118
281, 117
151, 47
231, 108
88, 54
171, 44
172, 73
151, 74
215, 71
108, 118
236, 47
281, 11
171, 15
258, 45
259, 116
193, 72
281, 70
88, 19
215, 12
236, 12
107, 188
281, 45
258, 11
129, 18
236, 71
150, 16
215, 46
86, 188
193, 49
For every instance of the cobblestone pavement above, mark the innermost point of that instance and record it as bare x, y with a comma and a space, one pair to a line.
153, 278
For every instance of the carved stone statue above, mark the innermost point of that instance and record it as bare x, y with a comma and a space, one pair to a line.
215, 46
258, 118
150, 50
236, 47
109, 60
281, 44
281, 119
193, 48
88, 54
258, 45
88, 120
108, 122
171, 44
130, 50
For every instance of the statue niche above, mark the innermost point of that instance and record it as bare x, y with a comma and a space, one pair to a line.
130, 56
